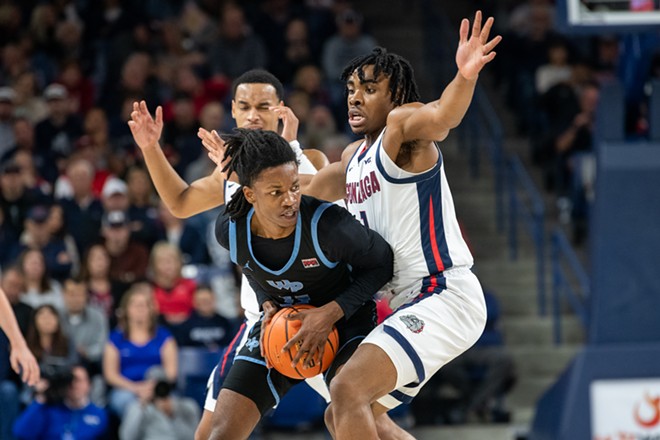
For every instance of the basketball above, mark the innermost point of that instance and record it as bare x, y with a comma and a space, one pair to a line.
278, 332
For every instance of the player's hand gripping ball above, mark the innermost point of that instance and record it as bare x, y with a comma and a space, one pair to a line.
278, 332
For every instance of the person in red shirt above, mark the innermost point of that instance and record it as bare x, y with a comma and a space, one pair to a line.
172, 292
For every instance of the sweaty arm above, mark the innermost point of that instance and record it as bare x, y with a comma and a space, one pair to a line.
343, 238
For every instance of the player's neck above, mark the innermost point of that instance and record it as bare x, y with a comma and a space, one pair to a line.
371, 138
270, 231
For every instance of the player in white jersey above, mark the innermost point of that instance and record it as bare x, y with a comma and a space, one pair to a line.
394, 181
257, 104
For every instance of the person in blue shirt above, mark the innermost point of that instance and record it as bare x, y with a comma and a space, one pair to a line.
68, 416
137, 350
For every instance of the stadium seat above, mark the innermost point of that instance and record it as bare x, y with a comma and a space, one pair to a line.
195, 365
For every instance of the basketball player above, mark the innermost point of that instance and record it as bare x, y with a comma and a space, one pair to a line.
293, 250
21, 359
257, 103
395, 183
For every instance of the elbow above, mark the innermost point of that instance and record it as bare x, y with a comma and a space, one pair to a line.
179, 210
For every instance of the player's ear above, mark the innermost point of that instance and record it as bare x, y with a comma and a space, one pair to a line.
233, 109
249, 194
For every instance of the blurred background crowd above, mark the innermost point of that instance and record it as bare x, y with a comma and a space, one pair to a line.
101, 275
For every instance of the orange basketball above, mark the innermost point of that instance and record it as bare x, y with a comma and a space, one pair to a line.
278, 332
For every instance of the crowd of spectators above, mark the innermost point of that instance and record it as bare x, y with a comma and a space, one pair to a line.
552, 82
106, 283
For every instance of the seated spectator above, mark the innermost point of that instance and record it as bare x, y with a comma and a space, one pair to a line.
62, 410
237, 49
556, 71
38, 234
57, 226
104, 294
39, 287
15, 198
82, 210
172, 292
349, 42
53, 350
57, 134
205, 327
142, 206
185, 234
128, 259
165, 416
137, 347
85, 325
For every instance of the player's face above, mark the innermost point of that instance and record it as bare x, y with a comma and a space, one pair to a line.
275, 196
250, 106
369, 102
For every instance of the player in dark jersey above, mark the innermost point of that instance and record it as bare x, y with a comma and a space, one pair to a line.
293, 250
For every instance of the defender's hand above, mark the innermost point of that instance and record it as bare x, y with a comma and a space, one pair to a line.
289, 120
145, 129
214, 145
474, 53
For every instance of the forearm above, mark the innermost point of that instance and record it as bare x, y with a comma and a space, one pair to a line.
454, 101
179, 196
116, 380
305, 166
566, 139
365, 284
8, 322
370, 256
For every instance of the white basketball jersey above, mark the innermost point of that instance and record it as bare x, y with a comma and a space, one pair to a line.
414, 212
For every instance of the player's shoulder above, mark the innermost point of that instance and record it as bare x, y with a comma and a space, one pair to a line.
322, 208
402, 112
350, 149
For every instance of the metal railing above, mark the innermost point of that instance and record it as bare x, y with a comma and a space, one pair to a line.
491, 136
569, 281
526, 204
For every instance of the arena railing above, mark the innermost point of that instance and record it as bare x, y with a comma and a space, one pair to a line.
570, 282
526, 204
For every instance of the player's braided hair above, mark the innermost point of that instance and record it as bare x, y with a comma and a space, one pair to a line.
402, 77
250, 152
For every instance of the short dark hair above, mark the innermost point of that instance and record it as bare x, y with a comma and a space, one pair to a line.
258, 76
251, 152
398, 69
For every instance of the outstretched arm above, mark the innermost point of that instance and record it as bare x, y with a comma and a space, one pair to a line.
432, 122
182, 199
21, 359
